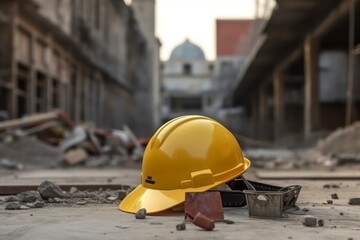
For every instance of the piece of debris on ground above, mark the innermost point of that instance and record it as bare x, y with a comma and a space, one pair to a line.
50, 193
54, 140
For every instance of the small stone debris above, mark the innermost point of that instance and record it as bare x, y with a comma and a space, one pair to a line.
12, 199
227, 221
36, 204
122, 194
141, 214
329, 201
334, 196
305, 209
320, 222
331, 185
73, 190
309, 221
341, 213
81, 202
6, 163
123, 227
50, 200
181, 226
24, 207
58, 200
30, 196
354, 201
156, 223
13, 206
113, 199
49, 189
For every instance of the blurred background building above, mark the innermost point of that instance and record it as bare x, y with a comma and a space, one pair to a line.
187, 78
97, 60
233, 45
289, 72
302, 74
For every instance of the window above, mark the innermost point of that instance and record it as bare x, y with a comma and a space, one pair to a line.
185, 103
187, 69
211, 67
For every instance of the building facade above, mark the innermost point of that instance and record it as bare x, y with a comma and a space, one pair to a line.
233, 41
187, 82
149, 98
302, 76
82, 56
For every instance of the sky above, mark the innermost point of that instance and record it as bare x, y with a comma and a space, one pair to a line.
177, 20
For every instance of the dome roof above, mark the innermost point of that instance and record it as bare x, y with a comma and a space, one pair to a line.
187, 51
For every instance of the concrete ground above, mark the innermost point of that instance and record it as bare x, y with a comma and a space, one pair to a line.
96, 221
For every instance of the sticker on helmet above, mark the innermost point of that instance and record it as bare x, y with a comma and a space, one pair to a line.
149, 180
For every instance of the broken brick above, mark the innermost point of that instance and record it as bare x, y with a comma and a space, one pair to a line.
309, 221
354, 201
334, 196
204, 222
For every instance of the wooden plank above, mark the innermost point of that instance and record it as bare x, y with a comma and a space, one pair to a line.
307, 175
311, 90
263, 110
38, 118
30, 120
254, 115
278, 86
351, 62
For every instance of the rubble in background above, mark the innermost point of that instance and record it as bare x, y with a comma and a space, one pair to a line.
342, 141
48, 139
29, 150
341, 147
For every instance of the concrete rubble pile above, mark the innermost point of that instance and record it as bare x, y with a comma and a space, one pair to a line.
51, 138
339, 148
49, 192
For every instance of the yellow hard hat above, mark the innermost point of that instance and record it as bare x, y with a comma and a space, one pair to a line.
187, 154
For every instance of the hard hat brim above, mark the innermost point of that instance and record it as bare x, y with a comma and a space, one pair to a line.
154, 200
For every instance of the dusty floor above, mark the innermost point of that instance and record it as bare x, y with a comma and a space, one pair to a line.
106, 222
